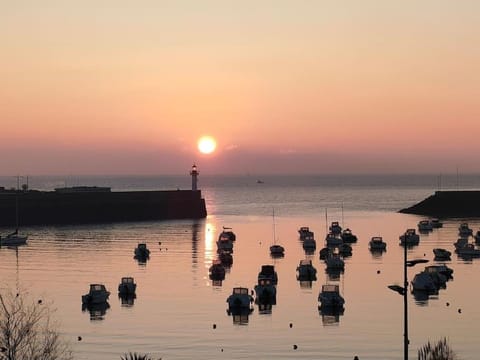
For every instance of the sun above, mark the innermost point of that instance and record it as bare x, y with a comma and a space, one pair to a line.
207, 144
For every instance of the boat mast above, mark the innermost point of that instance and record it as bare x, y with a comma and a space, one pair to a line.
273, 219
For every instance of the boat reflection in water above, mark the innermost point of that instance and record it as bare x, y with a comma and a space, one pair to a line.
331, 316
265, 309
127, 300
97, 310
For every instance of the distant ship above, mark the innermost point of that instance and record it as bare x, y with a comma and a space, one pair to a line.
260, 182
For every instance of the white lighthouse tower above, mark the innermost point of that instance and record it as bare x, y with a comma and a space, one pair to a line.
194, 174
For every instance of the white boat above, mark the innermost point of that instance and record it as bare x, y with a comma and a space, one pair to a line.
330, 297
409, 238
13, 239
348, 237
239, 300
424, 226
141, 251
97, 294
464, 230
377, 243
266, 292
127, 286
441, 254
306, 271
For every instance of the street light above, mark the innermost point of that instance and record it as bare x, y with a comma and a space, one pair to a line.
403, 291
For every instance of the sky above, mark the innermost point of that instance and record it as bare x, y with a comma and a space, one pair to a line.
128, 87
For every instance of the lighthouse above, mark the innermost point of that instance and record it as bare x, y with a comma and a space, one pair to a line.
194, 174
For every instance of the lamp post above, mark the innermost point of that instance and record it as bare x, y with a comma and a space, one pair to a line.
403, 291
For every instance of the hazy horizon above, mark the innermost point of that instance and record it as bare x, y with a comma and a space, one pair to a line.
127, 87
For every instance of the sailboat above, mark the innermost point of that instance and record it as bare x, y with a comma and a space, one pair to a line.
14, 238
276, 250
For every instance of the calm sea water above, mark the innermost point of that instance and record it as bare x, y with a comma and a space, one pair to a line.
177, 304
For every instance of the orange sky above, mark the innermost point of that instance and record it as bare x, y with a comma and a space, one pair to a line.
125, 87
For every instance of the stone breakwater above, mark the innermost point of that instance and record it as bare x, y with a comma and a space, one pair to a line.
448, 204
63, 207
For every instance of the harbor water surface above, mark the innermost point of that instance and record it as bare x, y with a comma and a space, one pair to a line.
179, 313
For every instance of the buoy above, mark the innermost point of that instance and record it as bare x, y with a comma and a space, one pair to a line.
40, 301
295, 347
378, 271
214, 326
459, 311
79, 338
291, 325
448, 304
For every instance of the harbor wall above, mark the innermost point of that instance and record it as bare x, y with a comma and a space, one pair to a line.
448, 204
50, 207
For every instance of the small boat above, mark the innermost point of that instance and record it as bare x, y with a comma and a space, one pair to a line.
309, 244
477, 237
277, 250
335, 228
377, 243
468, 250
306, 271
442, 269
97, 294
345, 250
266, 292
13, 239
460, 243
348, 237
333, 240
464, 230
439, 279
423, 282
441, 254
424, 226
217, 270
240, 300
330, 297
224, 243
335, 262
409, 238
325, 252
225, 258
305, 232
436, 223
268, 272
141, 251
127, 287
227, 233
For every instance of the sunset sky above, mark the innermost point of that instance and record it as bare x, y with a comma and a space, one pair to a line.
128, 87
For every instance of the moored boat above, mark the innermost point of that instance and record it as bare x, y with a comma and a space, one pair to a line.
240, 300
306, 271
141, 251
330, 297
127, 287
268, 272
377, 243
266, 292
410, 237
217, 270
97, 294
441, 254
348, 237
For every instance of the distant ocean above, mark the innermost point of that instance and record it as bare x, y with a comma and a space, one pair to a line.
177, 305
